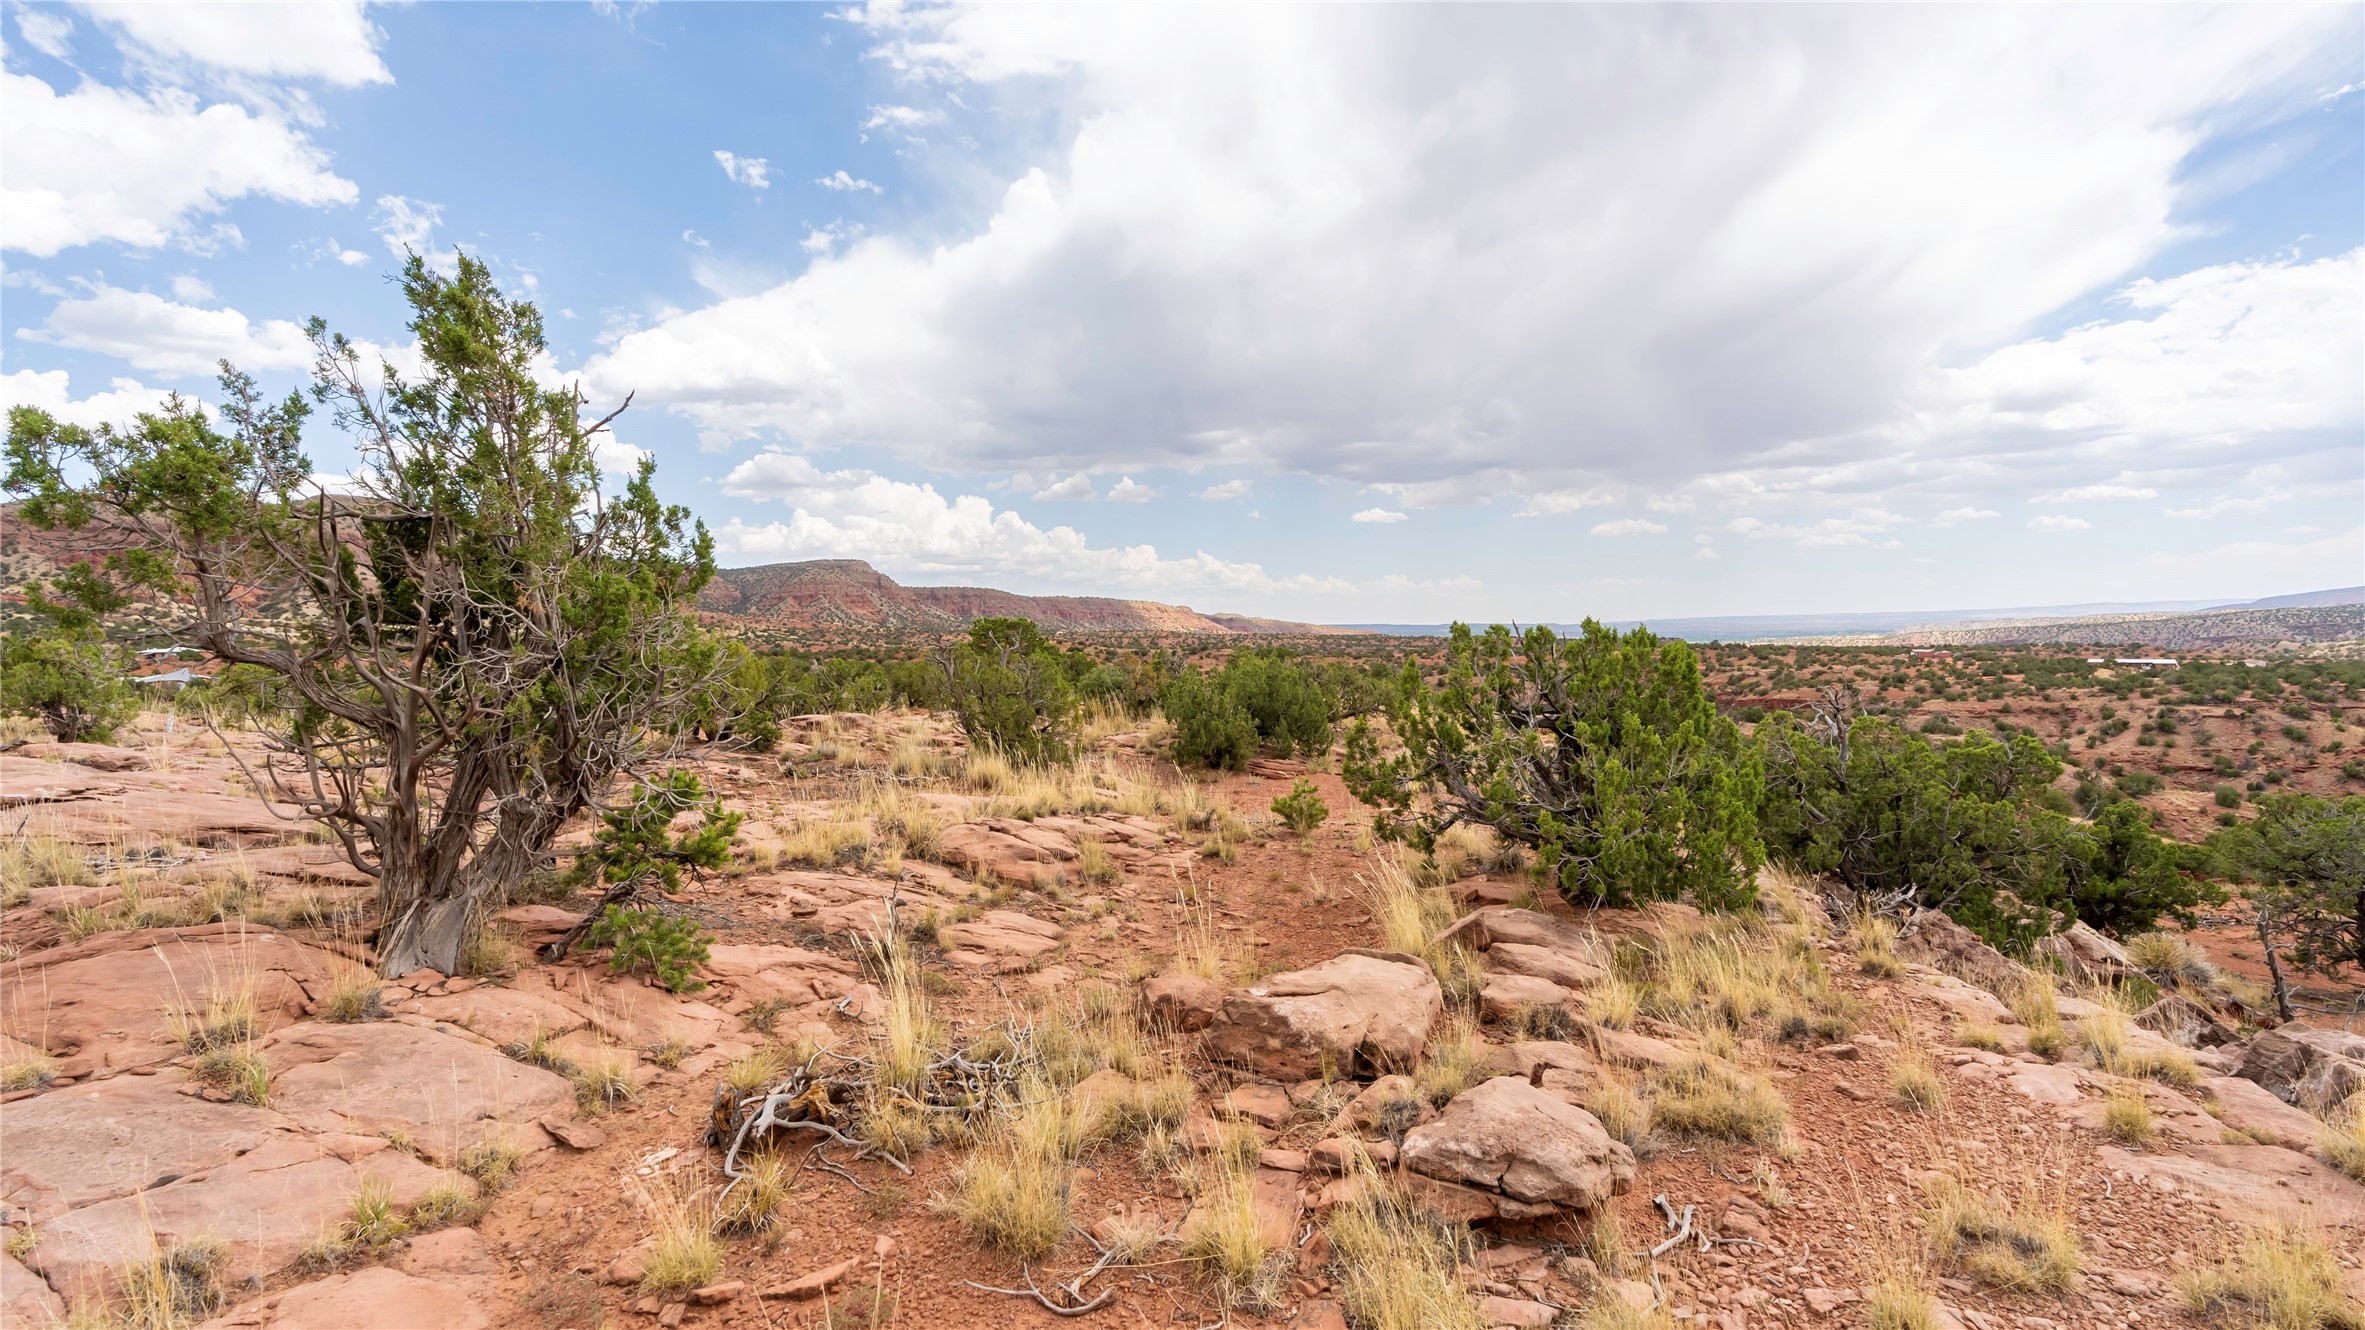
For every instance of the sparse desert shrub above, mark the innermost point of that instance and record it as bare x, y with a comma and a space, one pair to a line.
1301, 810
1093, 863
2126, 1116
1915, 1079
491, 1162
1605, 1242
236, 1070
355, 994
671, 948
1899, 1300
174, 1286
2341, 1143
1396, 1266
491, 952
225, 1016
604, 1083
2028, 1245
1624, 1114
685, 1255
1875, 940
2170, 960
2274, 1279
1609, 1311
1613, 1003
2032, 1003
753, 1201
1452, 1062
540, 1049
1705, 1097
1978, 1034
446, 1201
27, 862
373, 1219
1012, 1192
750, 1072
27, 1073
1226, 1236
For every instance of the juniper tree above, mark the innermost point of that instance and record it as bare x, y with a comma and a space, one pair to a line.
476, 639
1602, 751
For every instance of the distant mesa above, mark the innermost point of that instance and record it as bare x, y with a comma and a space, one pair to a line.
850, 594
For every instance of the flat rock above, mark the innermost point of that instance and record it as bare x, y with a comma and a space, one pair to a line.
101, 1004
450, 1254
1507, 995
98, 757
2299, 1064
1491, 925
1261, 1102
1184, 1003
375, 1298
2186, 1023
267, 1206
1508, 1136
1628, 1048
26, 1298
2258, 1183
814, 1284
1936, 940
446, 1093
1500, 1311
1002, 933
1357, 1011
83, 1144
1565, 968
2046, 1082
2248, 1106
501, 1014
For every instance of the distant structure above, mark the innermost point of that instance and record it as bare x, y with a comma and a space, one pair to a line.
2146, 662
1934, 653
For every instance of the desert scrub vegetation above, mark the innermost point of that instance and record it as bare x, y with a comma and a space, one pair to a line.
1914, 1078
1874, 937
27, 862
685, 1253
669, 947
235, 1070
491, 1163
26, 1073
2033, 1005
173, 1286
1395, 1265
2110, 1045
604, 1081
2026, 1244
1622, 1112
2273, 1279
1225, 1235
2341, 1142
2127, 1116
1726, 975
1451, 1064
1410, 917
1708, 1098
1012, 1192
355, 994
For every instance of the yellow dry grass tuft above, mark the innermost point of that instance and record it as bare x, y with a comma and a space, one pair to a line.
1875, 939
2027, 1244
2341, 1143
685, 1254
1708, 1098
2126, 1116
2274, 1279
1395, 1267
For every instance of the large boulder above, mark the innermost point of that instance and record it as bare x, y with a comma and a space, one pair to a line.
1933, 938
2186, 1023
1506, 996
1359, 1012
1507, 1136
2315, 1069
1184, 1003
2086, 954
1493, 925
1565, 968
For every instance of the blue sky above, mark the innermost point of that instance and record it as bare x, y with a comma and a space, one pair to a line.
1389, 313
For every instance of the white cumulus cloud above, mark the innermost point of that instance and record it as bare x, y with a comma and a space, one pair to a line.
50, 391
2057, 522
753, 172
1958, 516
1378, 515
907, 527
153, 333
1630, 526
1076, 488
841, 181
1226, 492
1819, 213
1125, 491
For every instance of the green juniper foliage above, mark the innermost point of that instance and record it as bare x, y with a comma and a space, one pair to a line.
1010, 690
2304, 860
1602, 751
67, 672
1301, 810
1260, 699
636, 843
472, 640
1963, 826
671, 948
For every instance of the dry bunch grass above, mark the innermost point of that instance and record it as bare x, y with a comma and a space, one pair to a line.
1395, 1266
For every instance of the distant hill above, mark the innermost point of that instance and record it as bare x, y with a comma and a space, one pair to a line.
2257, 626
1924, 627
850, 594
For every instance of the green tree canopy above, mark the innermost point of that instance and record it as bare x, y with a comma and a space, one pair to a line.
1602, 751
1010, 690
476, 638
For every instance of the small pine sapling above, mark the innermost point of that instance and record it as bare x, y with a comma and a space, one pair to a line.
1302, 809
636, 845
672, 948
